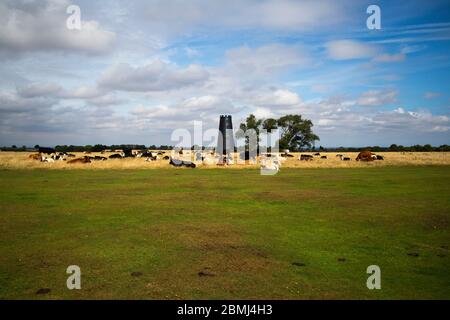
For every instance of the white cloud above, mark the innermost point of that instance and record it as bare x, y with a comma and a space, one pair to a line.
156, 76
179, 16
350, 49
377, 98
279, 97
29, 26
265, 59
39, 89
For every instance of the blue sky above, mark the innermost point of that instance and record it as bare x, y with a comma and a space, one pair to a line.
136, 71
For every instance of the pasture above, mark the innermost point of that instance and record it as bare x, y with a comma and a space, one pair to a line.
20, 160
224, 234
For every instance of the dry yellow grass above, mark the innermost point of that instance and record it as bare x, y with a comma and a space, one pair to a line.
20, 160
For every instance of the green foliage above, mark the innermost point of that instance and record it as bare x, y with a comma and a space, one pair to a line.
296, 132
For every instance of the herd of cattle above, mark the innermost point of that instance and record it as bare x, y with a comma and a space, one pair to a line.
267, 160
362, 156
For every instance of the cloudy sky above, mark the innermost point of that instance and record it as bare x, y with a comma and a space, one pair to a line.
137, 70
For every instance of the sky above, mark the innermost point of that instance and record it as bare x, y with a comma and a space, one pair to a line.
135, 71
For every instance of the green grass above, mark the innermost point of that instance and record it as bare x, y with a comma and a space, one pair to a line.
244, 228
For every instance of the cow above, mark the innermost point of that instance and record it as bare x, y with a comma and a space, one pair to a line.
323, 157
286, 155
145, 154
80, 160
99, 158
116, 156
57, 157
46, 150
305, 157
181, 163
35, 156
46, 159
344, 158
151, 158
364, 156
379, 157
317, 154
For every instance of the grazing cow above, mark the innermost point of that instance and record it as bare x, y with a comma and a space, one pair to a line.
46, 150
46, 159
323, 157
35, 156
151, 158
305, 157
364, 156
339, 155
80, 160
160, 153
166, 158
181, 163
57, 157
344, 158
379, 157
116, 156
286, 155
317, 154
145, 154
99, 158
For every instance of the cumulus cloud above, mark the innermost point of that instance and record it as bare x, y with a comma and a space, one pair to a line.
178, 16
39, 89
194, 108
278, 98
156, 76
377, 98
423, 120
49, 89
350, 49
32, 26
265, 59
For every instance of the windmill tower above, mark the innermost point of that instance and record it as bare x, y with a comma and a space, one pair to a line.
225, 140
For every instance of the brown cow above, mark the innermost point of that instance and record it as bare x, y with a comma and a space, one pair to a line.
36, 156
80, 160
365, 156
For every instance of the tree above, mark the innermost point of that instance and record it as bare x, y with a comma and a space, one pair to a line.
269, 125
296, 133
251, 123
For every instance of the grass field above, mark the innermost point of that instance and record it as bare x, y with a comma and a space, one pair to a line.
223, 234
20, 160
